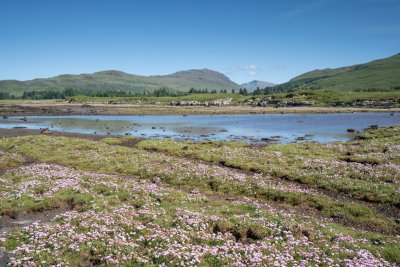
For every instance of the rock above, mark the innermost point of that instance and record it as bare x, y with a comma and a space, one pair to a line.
384, 103
156, 180
4, 257
45, 131
351, 130
16, 215
268, 139
371, 127
195, 191
217, 102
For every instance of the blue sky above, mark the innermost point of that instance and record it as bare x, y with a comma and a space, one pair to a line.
246, 40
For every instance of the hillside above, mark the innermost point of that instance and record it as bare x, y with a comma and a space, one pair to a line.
253, 85
118, 80
377, 75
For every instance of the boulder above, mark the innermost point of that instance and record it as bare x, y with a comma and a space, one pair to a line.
4, 257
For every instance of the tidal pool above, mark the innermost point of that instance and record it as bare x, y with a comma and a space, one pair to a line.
281, 128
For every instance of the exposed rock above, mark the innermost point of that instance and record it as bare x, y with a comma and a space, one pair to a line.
269, 139
217, 102
268, 101
16, 215
156, 180
371, 127
45, 131
384, 103
4, 257
195, 191
351, 130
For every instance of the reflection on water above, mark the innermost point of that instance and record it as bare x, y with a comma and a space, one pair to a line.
280, 128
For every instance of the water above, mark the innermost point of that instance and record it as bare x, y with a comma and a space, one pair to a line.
282, 128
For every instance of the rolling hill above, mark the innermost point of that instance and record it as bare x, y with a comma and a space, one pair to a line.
377, 75
118, 80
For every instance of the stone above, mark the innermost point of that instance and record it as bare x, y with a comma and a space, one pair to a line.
4, 257
16, 215
195, 191
156, 180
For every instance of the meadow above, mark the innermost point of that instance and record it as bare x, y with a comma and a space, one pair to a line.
128, 202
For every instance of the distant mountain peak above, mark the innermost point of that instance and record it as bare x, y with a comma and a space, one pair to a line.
254, 84
201, 74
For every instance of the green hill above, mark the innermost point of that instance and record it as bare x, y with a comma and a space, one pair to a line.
377, 75
118, 80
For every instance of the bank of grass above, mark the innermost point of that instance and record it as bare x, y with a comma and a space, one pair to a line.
366, 169
163, 100
10, 160
184, 208
181, 173
337, 97
246, 222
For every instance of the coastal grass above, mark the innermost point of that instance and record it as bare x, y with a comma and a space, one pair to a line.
142, 201
180, 173
366, 169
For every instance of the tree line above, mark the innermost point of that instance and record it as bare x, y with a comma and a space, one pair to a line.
161, 92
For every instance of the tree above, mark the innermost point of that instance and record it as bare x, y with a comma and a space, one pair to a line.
243, 91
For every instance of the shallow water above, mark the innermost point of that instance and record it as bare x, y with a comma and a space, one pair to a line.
282, 128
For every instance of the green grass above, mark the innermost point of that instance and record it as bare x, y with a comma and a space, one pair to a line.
365, 170
236, 98
181, 173
380, 75
127, 204
331, 97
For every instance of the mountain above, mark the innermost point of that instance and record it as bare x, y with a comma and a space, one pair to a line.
377, 75
118, 80
251, 86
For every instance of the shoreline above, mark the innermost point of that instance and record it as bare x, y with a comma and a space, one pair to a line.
134, 109
16, 132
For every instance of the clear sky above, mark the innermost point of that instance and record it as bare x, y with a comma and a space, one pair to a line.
246, 40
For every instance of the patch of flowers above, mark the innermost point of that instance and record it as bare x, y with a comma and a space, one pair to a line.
126, 234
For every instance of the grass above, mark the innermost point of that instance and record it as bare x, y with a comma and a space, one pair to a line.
204, 204
236, 98
330, 97
365, 169
376, 75
178, 172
